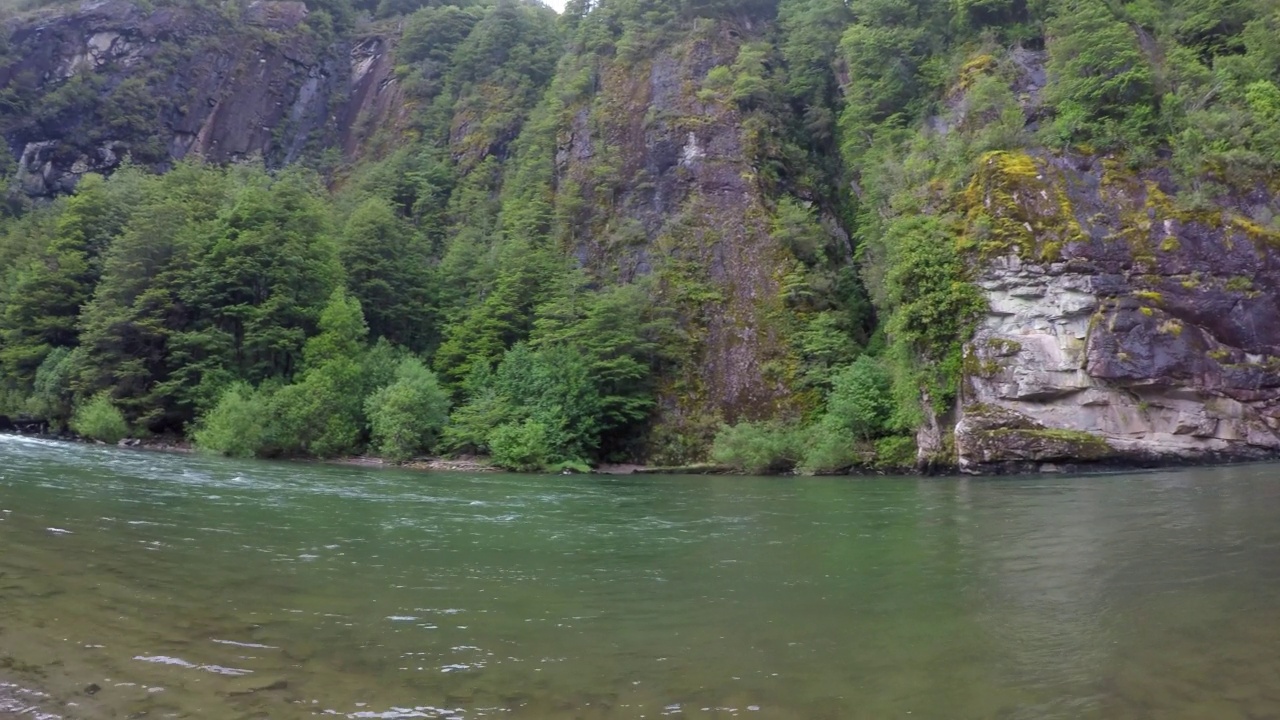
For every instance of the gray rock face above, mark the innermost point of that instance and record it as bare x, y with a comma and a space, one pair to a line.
166, 84
663, 176
1156, 331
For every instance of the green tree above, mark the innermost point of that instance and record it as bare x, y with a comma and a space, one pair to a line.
98, 419
861, 400
1100, 82
51, 397
322, 414
388, 271
238, 425
51, 287
406, 417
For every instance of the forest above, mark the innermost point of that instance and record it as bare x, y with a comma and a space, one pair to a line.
460, 287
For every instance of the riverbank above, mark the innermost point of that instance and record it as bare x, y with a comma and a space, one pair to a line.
481, 464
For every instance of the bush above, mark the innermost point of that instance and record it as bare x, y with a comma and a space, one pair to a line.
237, 425
896, 451
51, 395
523, 447
322, 414
861, 400
757, 448
405, 417
99, 419
830, 448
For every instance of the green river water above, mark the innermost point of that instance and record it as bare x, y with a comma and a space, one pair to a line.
191, 587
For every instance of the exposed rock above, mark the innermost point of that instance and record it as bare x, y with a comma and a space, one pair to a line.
1153, 329
680, 191
225, 90
996, 439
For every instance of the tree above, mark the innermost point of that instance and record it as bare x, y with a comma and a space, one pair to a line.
388, 272
1100, 82
406, 417
237, 425
861, 400
51, 287
322, 413
136, 310
100, 420
51, 397
619, 334
266, 269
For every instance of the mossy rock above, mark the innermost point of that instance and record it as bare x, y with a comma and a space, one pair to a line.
1041, 445
1012, 205
990, 435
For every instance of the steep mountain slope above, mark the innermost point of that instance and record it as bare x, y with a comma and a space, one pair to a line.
807, 232
104, 80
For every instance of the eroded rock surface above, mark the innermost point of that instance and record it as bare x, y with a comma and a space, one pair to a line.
110, 80
1119, 314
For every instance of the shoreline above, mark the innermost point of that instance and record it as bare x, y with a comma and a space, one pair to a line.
480, 464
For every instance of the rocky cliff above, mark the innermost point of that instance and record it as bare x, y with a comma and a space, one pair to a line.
87, 87
1120, 327
659, 177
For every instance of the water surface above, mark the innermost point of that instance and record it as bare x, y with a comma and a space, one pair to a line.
190, 587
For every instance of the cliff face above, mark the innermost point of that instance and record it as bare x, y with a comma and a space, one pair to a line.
1120, 327
109, 79
660, 180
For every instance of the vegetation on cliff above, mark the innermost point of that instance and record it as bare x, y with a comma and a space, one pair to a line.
644, 229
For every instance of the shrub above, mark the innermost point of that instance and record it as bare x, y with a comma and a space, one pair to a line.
99, 419
830, 448
896, 451
51, 396
237, 425
320, 415
523, 447
405, 417
757, 448
471, 425
861, 400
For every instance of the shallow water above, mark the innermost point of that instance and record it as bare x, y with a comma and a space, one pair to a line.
194, 587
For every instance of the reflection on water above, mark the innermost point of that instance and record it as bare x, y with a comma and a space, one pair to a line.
145, 585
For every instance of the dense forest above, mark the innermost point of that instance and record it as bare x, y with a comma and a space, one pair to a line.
477, 278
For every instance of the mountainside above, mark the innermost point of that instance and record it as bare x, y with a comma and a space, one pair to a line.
772, 234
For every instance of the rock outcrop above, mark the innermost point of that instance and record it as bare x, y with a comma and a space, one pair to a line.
663, 179
1121, 327
110, 80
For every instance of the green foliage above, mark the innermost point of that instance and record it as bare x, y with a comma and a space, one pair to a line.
896, 452
388, 271
322, 413
830, 448
51, 395
503, 230
931, 306
619, 334
860, 402
1100, 82
406, 416
99, 419
238, 425
758, 448
522, 446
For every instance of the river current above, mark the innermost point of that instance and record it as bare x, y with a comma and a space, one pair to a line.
148, 585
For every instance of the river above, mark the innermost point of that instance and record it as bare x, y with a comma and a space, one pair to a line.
148, 585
